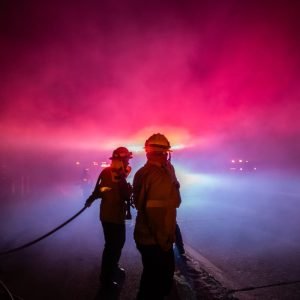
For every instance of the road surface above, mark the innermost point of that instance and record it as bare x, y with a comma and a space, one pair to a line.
240, 232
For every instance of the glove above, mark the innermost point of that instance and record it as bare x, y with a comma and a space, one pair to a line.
89, 201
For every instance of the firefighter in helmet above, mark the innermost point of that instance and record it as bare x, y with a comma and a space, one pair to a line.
114, 191
156, 198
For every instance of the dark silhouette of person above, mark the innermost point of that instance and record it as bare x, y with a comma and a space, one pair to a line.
114, 191
156, 198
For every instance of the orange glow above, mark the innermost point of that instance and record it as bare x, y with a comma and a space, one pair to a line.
179, 138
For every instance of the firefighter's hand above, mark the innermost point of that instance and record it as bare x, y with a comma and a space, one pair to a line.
89, 201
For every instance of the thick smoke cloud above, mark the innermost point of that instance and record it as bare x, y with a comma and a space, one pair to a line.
213, 74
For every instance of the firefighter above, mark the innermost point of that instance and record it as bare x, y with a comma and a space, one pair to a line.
156, 197
114, 190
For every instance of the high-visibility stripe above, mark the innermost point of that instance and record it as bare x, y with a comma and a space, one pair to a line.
105, 189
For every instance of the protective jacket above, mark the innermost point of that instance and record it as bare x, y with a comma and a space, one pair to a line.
114, 191
156, 197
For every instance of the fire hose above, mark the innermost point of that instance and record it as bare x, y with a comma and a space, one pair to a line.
4, 287
44, 236
81, 211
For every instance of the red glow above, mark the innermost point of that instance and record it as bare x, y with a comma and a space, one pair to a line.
206, 76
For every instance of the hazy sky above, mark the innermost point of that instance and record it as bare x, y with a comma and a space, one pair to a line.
209, 74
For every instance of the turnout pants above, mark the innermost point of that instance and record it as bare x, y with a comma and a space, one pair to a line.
114, 236
158, 270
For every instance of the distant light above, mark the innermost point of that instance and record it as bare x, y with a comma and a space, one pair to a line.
233, 161
241, 169
254, 168
77, 163
136, 148
104, 164
240, 160
139, 148
177, 147
95, 163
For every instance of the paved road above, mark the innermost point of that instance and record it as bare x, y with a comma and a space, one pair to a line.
245, 230
238, 233
66, 264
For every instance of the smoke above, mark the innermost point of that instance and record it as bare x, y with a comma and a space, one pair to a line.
219, 78
82, 73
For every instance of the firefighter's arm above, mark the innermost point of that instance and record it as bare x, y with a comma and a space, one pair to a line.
99, 189
89, 200
139, 193
97, 193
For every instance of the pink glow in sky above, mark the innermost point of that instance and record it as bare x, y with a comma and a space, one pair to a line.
209, 74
